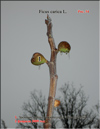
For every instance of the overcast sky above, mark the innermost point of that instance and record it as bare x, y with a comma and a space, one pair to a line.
23, 32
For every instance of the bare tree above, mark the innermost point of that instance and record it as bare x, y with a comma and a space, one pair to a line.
3, 124
72, 112
35, 110
73, 109
97, 120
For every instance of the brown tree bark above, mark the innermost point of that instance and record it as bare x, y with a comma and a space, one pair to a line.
53, 76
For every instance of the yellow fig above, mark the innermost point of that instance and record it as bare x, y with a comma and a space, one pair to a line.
64, 47
38, 59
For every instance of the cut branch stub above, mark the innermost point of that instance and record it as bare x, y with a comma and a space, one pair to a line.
38, 59
49, 26
49, 34
64, 47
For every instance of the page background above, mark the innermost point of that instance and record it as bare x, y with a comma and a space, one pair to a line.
23, 32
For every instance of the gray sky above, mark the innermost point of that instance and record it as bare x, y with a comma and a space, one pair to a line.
23, 32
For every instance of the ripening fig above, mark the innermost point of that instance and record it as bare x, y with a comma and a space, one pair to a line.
64, 47
38, 59
56, 103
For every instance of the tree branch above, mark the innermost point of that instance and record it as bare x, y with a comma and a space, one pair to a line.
53, 75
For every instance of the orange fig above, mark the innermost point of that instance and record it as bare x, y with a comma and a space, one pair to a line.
56, 103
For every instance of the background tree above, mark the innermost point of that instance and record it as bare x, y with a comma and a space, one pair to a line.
72, 112
3, 125
73, 109
36, 110
97, 120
